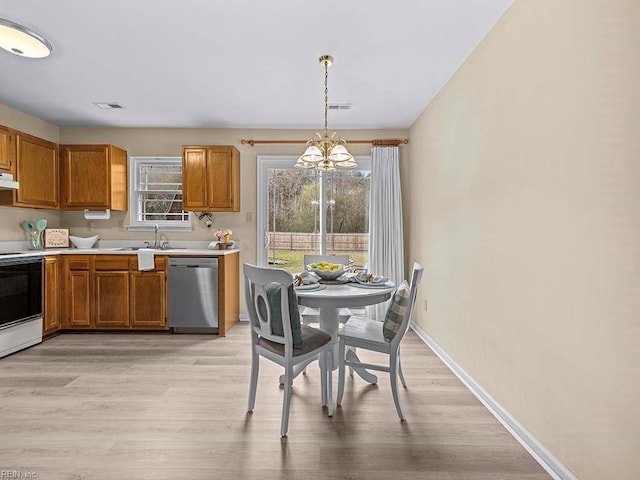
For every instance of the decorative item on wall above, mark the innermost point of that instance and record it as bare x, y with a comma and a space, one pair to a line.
56, 238
326, 153
206, 216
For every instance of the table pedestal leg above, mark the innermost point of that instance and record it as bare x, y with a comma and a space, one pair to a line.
329, 323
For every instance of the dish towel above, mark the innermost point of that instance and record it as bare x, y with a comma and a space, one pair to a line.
146, 259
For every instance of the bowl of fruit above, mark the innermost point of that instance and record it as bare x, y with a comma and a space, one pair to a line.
326, 270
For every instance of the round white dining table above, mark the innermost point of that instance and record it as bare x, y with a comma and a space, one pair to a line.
330, 299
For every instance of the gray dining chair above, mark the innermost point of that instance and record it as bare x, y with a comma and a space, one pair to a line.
278, 336
383, 337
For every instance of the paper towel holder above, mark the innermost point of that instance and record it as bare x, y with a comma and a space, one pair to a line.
97, 214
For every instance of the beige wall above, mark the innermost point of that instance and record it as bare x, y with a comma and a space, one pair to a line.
523, 202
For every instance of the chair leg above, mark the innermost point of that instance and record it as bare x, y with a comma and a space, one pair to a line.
353, 349
253, 385
393, 376
322, 363
305, 322
404, 384
329, 376
286, 401
341, 357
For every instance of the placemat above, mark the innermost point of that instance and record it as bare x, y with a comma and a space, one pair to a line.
307, 288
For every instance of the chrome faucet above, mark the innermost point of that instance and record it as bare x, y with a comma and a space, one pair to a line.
155, 236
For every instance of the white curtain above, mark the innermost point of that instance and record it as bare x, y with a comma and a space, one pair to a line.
386, 240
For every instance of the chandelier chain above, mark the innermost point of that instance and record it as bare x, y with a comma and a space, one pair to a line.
326, 98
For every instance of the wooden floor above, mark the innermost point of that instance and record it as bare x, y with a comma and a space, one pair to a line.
161, 406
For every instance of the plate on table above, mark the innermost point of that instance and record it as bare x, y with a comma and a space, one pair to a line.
311, 286
387, 284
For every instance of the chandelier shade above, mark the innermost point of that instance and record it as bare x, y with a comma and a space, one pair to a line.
326, 153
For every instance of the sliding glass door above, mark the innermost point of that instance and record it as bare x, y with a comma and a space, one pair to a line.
305, 211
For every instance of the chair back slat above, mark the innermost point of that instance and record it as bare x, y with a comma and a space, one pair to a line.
259, 306
416, 277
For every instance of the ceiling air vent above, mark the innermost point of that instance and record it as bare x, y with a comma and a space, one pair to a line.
107, 105
340, 106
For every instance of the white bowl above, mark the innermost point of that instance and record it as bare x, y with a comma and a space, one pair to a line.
327, 274
83, 242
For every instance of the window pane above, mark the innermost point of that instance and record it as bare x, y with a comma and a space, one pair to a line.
158, 191
348, 214
294, 215
160, 177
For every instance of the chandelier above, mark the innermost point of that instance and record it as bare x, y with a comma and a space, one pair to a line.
324, 152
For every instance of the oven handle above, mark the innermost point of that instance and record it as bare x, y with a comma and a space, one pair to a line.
21, 260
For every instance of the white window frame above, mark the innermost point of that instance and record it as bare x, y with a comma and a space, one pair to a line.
134, 205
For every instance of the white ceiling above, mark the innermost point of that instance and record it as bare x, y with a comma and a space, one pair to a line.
239, 63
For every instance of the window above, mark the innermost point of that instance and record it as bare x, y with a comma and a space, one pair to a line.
307, 212
156, 194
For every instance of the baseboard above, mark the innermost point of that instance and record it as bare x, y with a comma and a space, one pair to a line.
244, 317
543, 456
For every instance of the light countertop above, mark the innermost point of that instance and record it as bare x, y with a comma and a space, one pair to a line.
199, 249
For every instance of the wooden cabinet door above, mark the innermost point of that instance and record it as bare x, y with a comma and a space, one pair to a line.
111, 299
93, 176
211, 178
84, 174
37, 172
51, 321
223, 179
148, 299
6, 149
79, 299
76, 291
194, 179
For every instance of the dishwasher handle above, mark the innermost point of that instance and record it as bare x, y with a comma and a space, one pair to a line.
193, 262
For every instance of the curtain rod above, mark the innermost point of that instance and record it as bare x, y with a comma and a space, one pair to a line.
377, 143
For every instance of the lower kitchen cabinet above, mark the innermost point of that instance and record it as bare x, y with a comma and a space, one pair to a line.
111, 299
147, 310
108, 292
76, 290
51, 321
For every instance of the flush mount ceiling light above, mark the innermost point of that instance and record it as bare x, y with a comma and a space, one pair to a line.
21, 41
323, 152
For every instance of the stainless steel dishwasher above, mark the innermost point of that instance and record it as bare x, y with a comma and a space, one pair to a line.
193, 294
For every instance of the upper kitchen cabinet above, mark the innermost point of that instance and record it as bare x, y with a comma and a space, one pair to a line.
93, 176
36, 170
211, 178
6, 149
